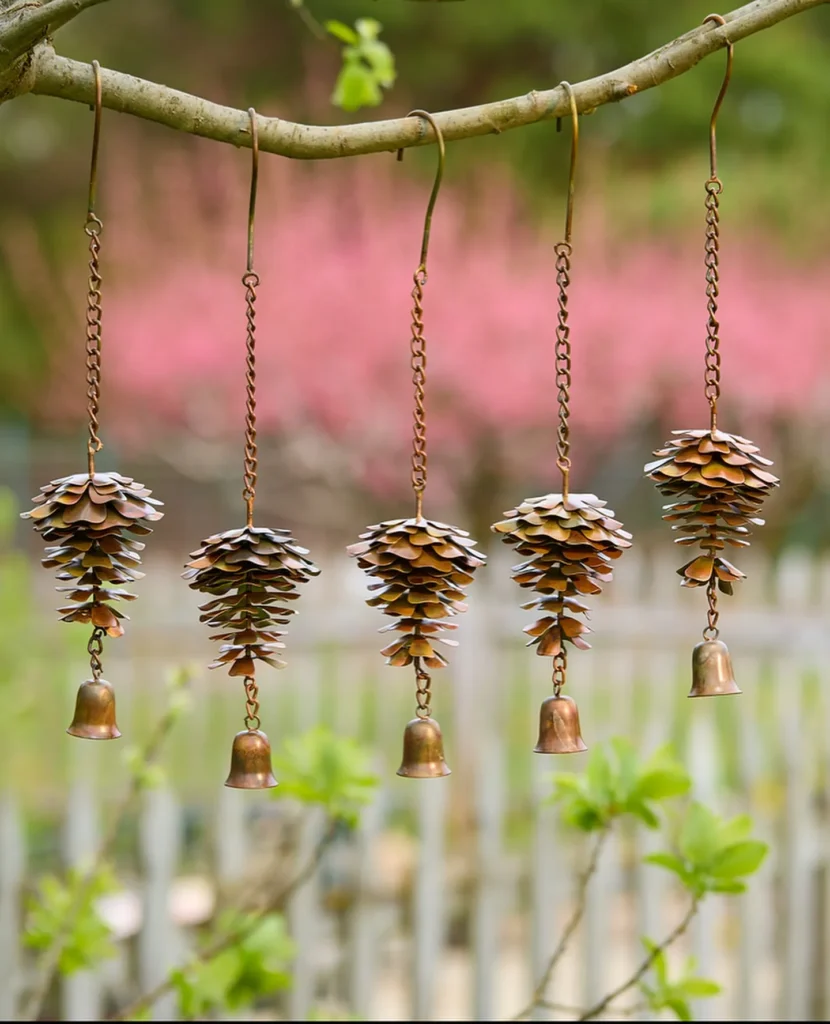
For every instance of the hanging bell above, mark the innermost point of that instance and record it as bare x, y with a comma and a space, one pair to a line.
423, 750
712, 670
251, 761
559, 731
95, 712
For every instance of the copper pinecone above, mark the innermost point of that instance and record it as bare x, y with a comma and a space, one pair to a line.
88, 519
724, 481
569, 546
252, 572
423, 567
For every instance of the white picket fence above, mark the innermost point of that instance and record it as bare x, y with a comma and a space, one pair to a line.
456, 917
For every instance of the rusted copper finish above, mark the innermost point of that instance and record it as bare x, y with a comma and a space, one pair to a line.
94, 717
559, 731
721, 479
422, 565
252, 574
568, 541
251, 761
423, 751
88, 520
712, 674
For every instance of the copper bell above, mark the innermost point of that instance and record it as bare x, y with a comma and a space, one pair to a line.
712, 670
559, 731
251, 761
423, 750
95, 712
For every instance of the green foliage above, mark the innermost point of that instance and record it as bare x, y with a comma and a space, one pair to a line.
323, 769
368, 65
615, 784
254, 963
713, 855
61, 909
674, 995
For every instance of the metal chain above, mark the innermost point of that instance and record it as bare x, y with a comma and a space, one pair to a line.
423, 691
418, 362
95, 649
560, 665
251, 281
711, 632
713, 360
93, 338
563, 252
251, 703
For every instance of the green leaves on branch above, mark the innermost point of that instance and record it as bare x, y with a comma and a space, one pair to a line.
323, 769
368, 65
664, 994
65, 910
615, 783
255, 965
713, 855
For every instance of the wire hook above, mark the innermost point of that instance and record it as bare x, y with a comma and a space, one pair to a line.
96, 135
439, 174
254, 177
569, 215
730, 53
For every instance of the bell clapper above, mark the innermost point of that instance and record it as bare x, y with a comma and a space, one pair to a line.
423, 744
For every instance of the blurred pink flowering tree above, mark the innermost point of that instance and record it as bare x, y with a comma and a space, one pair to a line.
336, 246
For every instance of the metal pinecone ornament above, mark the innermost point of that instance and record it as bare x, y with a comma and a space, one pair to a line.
422, 565
251, 573
569, 541
91, 520
721, 479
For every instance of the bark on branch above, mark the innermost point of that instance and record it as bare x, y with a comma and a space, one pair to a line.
53, 75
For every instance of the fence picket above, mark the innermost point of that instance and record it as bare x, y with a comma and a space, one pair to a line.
12, 874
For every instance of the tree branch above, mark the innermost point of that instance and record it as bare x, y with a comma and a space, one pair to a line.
19, 31
148, 999
53, 75
671, 938
573, 923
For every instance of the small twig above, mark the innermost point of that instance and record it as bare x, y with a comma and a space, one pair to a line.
570, 927
143, 1002
577, 1011
672, 937
308, 19
51, 958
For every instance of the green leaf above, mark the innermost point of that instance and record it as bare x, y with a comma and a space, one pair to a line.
669, 861
679, 1007
698, 988
342, 32
355, 87
739, 859
327, 770
724, 885
735, 830
368, 28
699, 836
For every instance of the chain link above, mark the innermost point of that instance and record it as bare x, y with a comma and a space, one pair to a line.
423, 692
95, 648
711, 632
563, 252
418, 362
251, 281
560, 665
713, 359
251, 703
93, 338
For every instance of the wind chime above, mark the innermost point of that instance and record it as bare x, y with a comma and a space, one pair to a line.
423, 566
91, 520
720, 479
251, 573
568, 541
